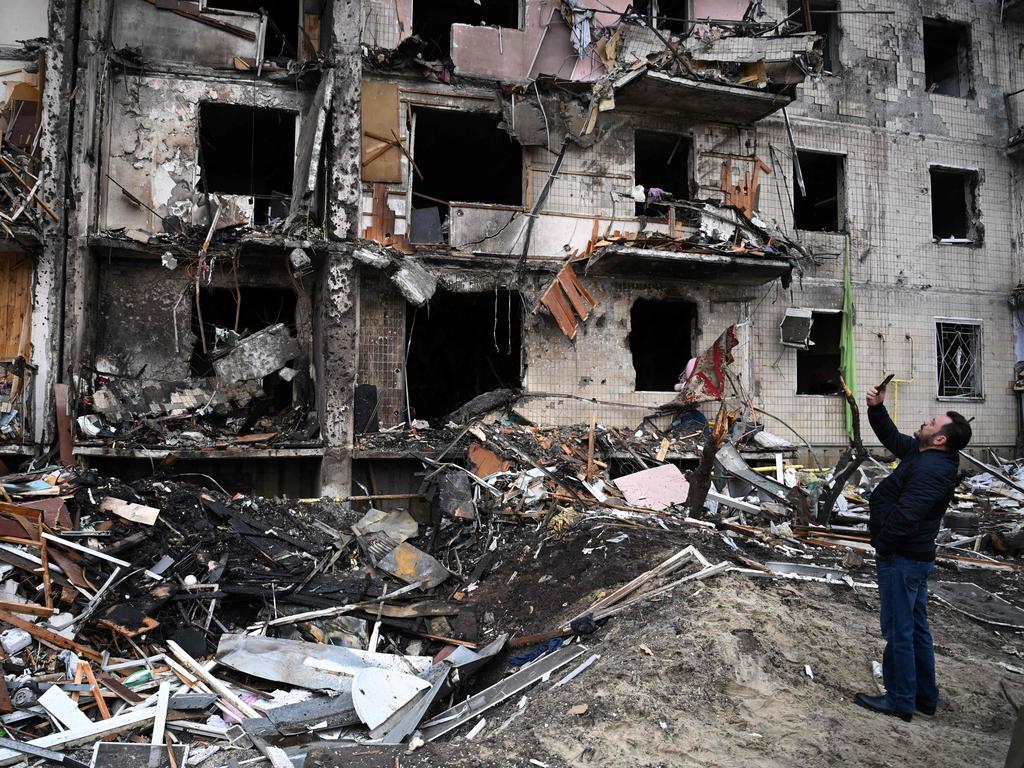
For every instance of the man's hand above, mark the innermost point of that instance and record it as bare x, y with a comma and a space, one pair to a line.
876, 396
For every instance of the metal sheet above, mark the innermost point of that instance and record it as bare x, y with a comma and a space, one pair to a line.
971, 600
462, 713
319, 713
730, 460
309, 665
410, 564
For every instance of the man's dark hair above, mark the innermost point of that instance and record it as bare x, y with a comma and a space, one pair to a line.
957, 432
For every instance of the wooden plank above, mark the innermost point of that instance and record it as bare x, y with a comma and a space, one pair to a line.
590, 446
216, 685
123, 691
381, 117
96, 692
554, 299
123, 722
26, 609
52, 639
580, 288
64, 434
578, 304
61, 707
6, 707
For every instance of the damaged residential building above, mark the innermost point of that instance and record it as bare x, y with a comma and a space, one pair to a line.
281, 243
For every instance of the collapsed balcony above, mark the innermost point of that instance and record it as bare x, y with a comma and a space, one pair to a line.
22, 208
732, 71
201, 358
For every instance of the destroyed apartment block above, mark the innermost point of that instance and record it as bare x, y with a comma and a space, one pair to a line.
360, 356
304, 228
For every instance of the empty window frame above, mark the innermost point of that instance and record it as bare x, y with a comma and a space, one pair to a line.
247, 151
462, 345
817, 367
661, 161
669, 15
824, 22
958, 359
955, 214
660, 342
947, 57
462, 157
432, 20
823, 207
283, 20
244, 313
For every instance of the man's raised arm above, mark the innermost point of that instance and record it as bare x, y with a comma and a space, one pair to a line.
894, 441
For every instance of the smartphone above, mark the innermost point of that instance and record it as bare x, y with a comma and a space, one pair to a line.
885, 383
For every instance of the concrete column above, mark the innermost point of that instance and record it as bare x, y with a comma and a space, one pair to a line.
339, 285
337, 369
49, 273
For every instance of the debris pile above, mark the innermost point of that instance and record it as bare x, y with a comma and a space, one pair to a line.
246, 401
325, 622
21, 177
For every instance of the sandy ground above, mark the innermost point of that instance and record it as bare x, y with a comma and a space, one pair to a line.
724, 684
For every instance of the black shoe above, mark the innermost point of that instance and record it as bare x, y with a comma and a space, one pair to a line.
925, 709
879, 704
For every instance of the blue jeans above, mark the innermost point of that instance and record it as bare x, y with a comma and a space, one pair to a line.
908, 665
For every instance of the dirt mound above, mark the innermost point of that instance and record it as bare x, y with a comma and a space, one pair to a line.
718, 677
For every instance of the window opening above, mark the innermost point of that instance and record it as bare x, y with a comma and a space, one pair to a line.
824, 22
947, 59
460, 346
668, 15
817, 367
822, 209
260, 308
247, 151
432, 20
661, 161
958, 349
661, 342
282, 40
463, 157
955, 216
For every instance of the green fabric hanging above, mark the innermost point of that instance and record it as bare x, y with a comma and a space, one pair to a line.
848, 356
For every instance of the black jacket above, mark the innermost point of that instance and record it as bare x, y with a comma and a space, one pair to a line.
907, 506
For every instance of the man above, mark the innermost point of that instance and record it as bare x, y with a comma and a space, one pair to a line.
906, 512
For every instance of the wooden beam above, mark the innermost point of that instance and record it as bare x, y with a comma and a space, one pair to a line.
52, 639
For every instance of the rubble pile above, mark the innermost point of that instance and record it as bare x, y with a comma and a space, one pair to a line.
325, 622
21, 203
240, 404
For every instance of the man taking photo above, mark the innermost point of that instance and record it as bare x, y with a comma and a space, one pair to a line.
906, 512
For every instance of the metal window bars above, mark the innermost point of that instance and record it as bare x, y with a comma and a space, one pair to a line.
958, 347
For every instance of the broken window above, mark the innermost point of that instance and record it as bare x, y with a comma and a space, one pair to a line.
220, 317
432, 20
823, 207
668, 15
947, 57
462, 157
661, 342
954, 205
460, 346
661, 161
817, 367
247, 151
282, 40
958, 353
824, 22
